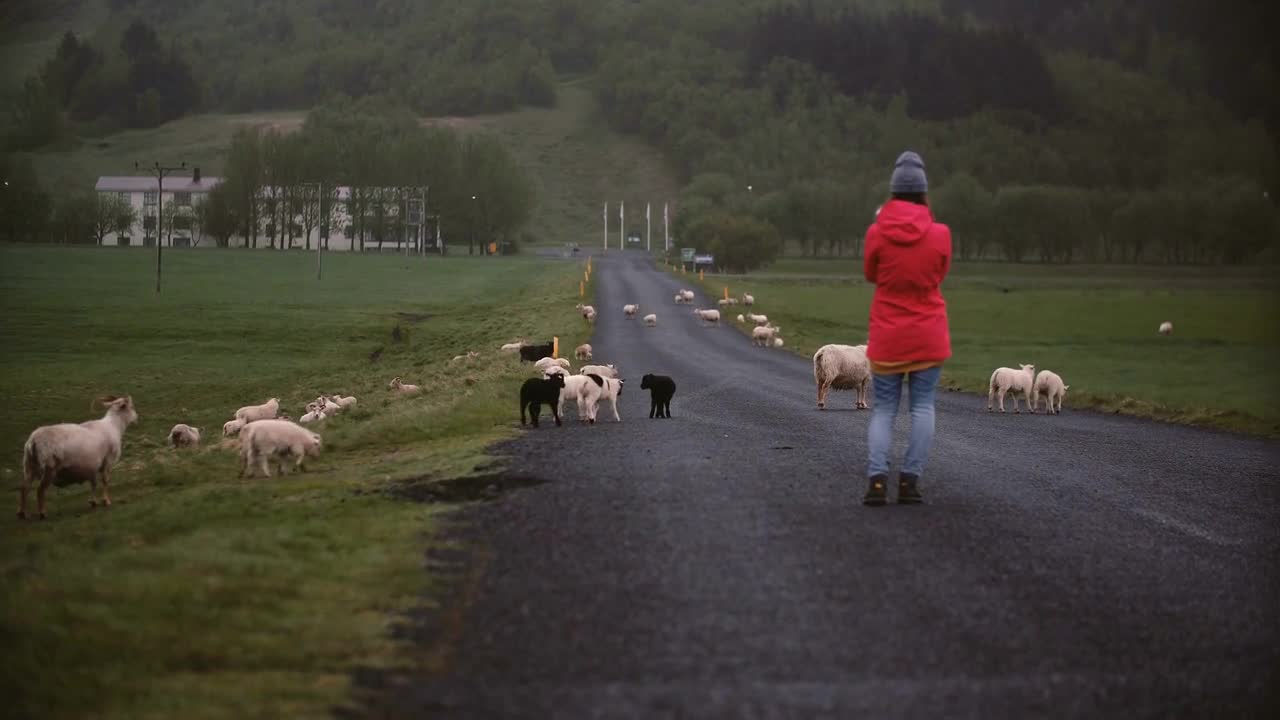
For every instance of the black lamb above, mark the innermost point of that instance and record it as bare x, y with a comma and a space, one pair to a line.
660, 388
536, 392
534, 353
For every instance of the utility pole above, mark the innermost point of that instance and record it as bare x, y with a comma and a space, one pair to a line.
648, 245
160, 172
666, 229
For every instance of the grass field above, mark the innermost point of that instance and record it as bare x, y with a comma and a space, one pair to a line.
1096, 326
576, 162
198, 595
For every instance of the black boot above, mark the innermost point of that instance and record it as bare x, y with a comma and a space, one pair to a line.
876, 490
908, 493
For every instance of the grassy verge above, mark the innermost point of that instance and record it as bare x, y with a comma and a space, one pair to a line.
198, 595
1096, 326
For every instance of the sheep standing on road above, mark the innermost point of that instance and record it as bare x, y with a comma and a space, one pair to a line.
630, 310
68, 453
842, 367
611, 391
585, 390
275, 440
651, 320
265, 411
661, 389
536, 392
583, 352
609, 371
763, 336
778, 342
1005, 380
708, 316
184, 436
1049, 383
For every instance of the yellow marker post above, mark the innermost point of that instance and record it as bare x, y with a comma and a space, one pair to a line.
726, 292
555, 347
582, 289
701, 276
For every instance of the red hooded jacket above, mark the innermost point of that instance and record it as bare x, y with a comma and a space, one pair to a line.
907, 255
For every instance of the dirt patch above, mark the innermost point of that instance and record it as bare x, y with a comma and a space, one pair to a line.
464, 489
376, 355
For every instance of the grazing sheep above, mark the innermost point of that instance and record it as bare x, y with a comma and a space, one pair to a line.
748, 300
611, 391
344, 403
723, 302
679, 298
583, 352
741, 319
1049, 383
708, 316
471, 355
327, 405
277, 440
534, 353
1166, 328
587, 311
590, 316
609, 371
842, 367
758, 319
514, 346
231, 428
184, 436
661, 389
550, 362
651, 320
402, 387
265, 411
585, 390
536, 392
630, 310
1005, 379
763, 336
68, 453
687, 294
777, 342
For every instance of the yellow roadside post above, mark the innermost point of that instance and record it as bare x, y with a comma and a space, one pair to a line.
582, 289
726, 292
701, 276
555, 347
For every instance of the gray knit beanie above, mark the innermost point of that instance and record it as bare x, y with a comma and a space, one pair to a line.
908, 175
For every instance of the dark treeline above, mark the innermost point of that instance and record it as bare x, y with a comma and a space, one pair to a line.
278, 187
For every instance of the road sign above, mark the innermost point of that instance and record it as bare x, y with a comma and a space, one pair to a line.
686, 254
704, 260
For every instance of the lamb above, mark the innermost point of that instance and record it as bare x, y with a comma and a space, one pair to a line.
265, 411
1166, 328
611, 391
587, 311
763, 336
344, 403
842, 367
758, 319
277, 440
608, 371
1049, 383
328, 405
723, 302
534, 353
590, 316
536, 392
712, 316
583, 352
513, 346
1005, 379
402, 387
651, 320
68, 453
748, 300
550, 362
471, 355
231, 428
679, 298
313, 414
777, 342
741, 319
630, 310
661, 389
586, 391
688, 295
184, 436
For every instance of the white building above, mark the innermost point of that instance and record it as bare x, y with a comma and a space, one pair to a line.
304, 228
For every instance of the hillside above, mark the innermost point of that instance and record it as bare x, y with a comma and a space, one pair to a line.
575, 160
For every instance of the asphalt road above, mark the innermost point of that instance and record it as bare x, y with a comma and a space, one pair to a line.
720, 564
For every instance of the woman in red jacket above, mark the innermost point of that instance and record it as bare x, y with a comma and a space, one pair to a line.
906, 256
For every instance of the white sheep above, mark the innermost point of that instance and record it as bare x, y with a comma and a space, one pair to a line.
265, 411
583, 351
609, 371
314, 413
471, 355
585, 392
723, 303
231, 428
328, 405
610, 392
275, 440
590, 316
763, 336
585, 309
1049, 383
554, 370
400, 386
68, 453
711, 316
651, 320
679, 298
842, 367
687, 294
1005, 380
513, 346
344, 403
543, 363
741, 319
758, 319
748, 300
630, 310
1166, 328
777, 342
184, 436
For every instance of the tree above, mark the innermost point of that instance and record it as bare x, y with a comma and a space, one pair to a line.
74, 218
739, 243
111, 213
218, 215
24, 205
965, 206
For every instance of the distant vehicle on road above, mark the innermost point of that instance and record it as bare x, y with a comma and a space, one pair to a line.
633, 239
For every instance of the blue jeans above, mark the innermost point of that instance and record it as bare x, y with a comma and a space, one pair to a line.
888, 393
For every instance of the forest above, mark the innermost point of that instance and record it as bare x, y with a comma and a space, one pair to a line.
1074, 131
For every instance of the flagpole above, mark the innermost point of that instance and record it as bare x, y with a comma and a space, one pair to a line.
666, 229
648, 244
622, 225
606, 225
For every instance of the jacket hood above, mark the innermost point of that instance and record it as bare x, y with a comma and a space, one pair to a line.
904, 223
